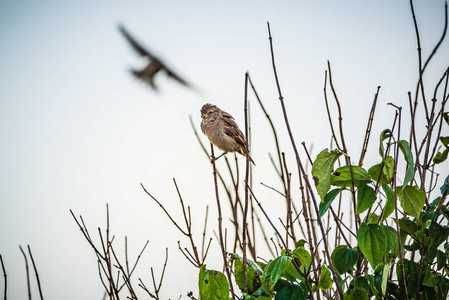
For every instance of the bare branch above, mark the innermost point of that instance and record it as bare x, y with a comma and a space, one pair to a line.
28, 272
35, 271
5, 277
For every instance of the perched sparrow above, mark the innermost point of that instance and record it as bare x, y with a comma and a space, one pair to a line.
222, 131
154, 65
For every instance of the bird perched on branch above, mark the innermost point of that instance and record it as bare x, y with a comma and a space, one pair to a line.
222, 131
154, 66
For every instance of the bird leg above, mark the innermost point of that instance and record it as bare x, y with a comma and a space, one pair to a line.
215, 158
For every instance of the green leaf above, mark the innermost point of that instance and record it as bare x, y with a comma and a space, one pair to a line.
293, 292
431, 279
413, 247
357, 294
304, 258
292, 274
446, 117
411, 275
441, 259
360, 281
443, 288
247, 297
389, 205
429, 215
372, 218
405, 148
300, 243
408, 226
322, 170
263, 297
444, 140
213, 285
325, 282
273, 271
421, 232
445, 211
372, 242
434, 203
374, 174
388, 169
438, 234
372, 285
344, 259
252, 272
445, 187
365, 197
392, 240
324, 205
342, 176
383, 136
412, 200
431, 254
440, 156
385, 278
279, 285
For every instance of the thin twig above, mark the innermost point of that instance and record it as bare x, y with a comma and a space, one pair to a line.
120, 267
301, 169
340, 118
420, 82
401, 258
186, 256
328, 111
245, 212
157, 290
28, 272
220, 223
276, 140
204, 232
5, 277
269, 220
368, 128
188, 222
142, 285
440, 114
165, 211
273, 189
35, 271
289, 201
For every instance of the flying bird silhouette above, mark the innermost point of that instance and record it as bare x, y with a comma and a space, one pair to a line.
154, 66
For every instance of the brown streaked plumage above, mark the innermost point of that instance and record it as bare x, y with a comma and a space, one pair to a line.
154, 66
222, 130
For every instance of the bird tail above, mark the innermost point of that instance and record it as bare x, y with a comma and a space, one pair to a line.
250, 159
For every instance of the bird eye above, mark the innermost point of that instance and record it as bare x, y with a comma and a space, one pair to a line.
210, 112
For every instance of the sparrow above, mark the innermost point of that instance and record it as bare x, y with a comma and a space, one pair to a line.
222, 131
154, 66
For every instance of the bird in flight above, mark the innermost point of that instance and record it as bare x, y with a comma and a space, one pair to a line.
154, 65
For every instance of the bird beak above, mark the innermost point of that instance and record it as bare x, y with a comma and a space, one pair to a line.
204, 116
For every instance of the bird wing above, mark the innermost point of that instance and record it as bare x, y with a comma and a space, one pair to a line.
142, 51
231, 128
173, 75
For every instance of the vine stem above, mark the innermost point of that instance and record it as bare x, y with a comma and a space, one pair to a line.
245, 212
396, 154
220, 223
301, 169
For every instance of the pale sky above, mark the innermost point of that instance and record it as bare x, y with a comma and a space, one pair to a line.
77, 131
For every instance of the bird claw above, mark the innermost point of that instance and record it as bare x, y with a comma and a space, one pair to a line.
213, 159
